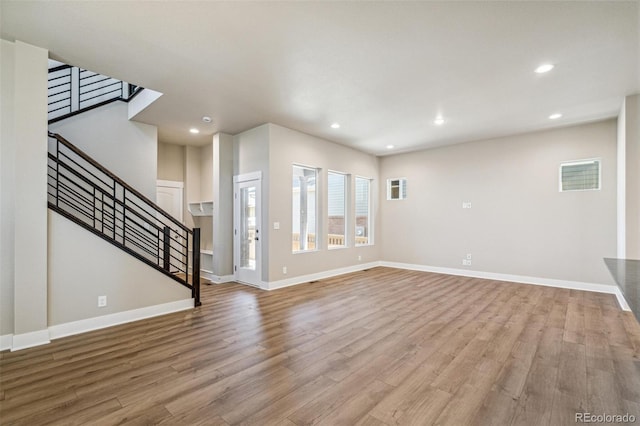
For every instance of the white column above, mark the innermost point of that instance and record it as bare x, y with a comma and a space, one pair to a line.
30, 118
222, 205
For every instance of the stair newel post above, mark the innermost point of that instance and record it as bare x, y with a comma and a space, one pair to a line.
166, 248
195, 281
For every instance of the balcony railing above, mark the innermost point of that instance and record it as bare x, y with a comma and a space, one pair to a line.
72, 90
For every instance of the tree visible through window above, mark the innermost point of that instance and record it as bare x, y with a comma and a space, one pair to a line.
304, 222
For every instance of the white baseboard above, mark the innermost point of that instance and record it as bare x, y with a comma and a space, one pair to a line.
89, 324
206, 274
29, 340
274, 285
220, 279
523, 279
6, 342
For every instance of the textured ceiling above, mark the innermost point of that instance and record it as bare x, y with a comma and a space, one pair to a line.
383, 70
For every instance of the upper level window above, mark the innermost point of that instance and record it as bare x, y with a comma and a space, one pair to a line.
304, 217
363, 211
581, 175
336, 209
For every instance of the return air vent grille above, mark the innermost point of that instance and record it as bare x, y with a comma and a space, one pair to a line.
580, 175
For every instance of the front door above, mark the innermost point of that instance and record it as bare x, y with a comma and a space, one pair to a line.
247, 238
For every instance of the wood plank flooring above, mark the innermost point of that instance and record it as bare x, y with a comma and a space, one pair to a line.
378, 347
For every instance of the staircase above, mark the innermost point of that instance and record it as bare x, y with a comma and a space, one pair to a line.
85, 192
72, 90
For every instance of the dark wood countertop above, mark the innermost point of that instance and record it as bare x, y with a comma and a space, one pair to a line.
626, 272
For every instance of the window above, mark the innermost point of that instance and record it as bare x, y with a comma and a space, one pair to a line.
336, 209
580, 175
396, 189
363, 211
304, 218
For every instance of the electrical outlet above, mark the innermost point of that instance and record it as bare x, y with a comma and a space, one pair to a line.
284, 270
359, 257
466, 204
466, 262
276, 225
102, 301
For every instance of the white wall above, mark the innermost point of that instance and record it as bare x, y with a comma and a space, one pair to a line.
7, 194
273, 150
519, 223
24, 217
23, 225
82, 266
251, 154
171, 162
632, 177
621, 249
106, 133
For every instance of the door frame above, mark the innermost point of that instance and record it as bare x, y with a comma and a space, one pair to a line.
237, 180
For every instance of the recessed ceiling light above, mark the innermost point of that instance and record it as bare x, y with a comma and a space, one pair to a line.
439, 121
194, 130
207, 119
335, 126
555, 116
544, 68
390, 146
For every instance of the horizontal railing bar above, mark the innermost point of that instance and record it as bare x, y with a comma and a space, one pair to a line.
58, 109
84, 109
60, 67
149, 239
140, 246
66, 83
93, 74
100, 87
82, 199
95, 81
75, 208
58, 94
108, 184
59, 76
88, 181
99, 96
88, 193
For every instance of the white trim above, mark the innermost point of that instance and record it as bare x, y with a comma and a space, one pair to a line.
547, 282
247, 177
220, 279
170, 183
206, 274
29, 340
6, 342
274, 285
96, 323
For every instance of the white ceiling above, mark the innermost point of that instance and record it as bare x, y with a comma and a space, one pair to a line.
383, 70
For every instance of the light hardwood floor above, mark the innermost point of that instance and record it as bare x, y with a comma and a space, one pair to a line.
377, 347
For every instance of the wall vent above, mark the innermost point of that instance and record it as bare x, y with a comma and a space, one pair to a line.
583, 175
